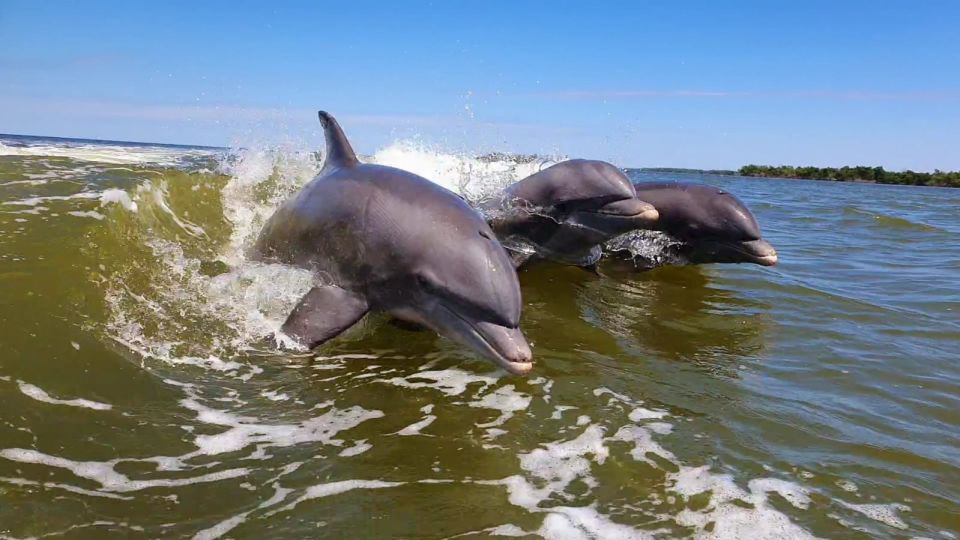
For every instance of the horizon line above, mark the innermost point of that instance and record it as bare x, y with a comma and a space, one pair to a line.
675, 169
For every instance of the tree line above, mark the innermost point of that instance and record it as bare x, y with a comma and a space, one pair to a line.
856, 174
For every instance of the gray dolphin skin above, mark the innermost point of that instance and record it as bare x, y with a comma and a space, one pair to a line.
383, 239
710, 224
566, 212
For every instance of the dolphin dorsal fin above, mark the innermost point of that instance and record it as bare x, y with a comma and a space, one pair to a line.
339, 151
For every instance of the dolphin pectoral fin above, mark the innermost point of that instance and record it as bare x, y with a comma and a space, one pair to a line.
323, 313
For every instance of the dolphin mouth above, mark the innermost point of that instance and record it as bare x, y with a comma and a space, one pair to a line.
614, 218
756, 251
507, 347
633, 209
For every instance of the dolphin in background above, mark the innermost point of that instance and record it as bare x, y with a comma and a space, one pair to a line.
566, 212
382, 239
705, 225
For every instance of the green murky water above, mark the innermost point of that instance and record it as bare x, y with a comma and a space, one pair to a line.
820, 397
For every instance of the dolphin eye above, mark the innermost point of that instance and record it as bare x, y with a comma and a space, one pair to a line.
423, 281
485, 235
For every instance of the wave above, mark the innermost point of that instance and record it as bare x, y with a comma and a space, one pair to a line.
110, 154
891, 222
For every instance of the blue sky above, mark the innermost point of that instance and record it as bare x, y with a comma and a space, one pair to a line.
687, 84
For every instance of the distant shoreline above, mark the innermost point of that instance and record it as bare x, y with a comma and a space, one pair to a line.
860, 174
874, 175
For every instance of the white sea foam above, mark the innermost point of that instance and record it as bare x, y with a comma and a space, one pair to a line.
88, 214
643, 443
452, 382
260, 179
358, 448
39, 394
36, 201
118, 196
732, 520
110, 153
847, 485
274, 395
553, 468
231, 523
105, 474
640, 413
888, 514
244, 431
335, 488
558, 411
65, 487
505, 399
416, 427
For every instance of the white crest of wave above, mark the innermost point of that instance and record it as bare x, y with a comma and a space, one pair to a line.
184, 315
260, 180
114, 154
474, 177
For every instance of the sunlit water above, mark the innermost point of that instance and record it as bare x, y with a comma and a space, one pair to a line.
820, 397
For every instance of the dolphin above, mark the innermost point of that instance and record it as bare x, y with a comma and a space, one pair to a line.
706, 223
382, 239
566, 212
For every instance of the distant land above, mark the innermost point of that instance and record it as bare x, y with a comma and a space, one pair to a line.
871, 175
875, 175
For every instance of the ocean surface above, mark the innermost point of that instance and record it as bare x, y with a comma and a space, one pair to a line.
816, 398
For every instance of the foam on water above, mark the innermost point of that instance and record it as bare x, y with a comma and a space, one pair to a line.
88, 214
244, 431
117, 196
36, 201
507, 401
416, 427
105, 474
117, 154
39, 394
451, 382
732, 520
335, 488
888, 514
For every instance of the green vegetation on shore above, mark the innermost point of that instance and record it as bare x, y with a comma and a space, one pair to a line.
875, 175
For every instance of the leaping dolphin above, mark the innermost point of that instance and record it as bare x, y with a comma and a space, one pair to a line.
709, 225
383, 239
566, 212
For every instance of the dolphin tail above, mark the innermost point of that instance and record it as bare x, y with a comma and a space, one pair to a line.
339, 151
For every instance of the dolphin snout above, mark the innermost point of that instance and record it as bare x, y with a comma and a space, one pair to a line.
509, 346
757, 252
632, 208
763, 252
